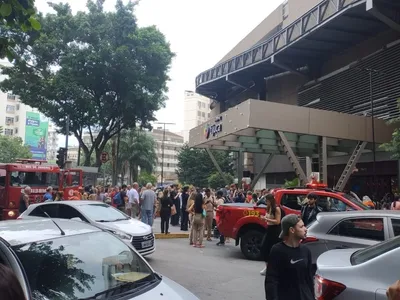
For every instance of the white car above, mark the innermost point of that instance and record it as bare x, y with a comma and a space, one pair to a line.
132, 231
63, 259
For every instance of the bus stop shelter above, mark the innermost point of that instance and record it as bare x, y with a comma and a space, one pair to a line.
256, 126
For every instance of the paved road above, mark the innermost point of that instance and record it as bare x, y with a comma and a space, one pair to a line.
210, 273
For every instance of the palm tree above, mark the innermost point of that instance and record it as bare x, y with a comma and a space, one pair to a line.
137, 150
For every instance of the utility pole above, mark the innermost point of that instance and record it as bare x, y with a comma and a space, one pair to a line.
372, 108
162, 150
66, 137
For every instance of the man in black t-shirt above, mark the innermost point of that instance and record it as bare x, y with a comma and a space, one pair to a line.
289, 270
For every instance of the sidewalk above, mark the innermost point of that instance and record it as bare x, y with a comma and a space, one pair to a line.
174, 231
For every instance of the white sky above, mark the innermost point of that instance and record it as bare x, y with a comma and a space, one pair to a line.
200, 33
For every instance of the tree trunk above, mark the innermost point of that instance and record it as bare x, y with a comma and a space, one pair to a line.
135, 173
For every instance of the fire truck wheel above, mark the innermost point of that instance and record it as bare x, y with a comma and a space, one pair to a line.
250, 244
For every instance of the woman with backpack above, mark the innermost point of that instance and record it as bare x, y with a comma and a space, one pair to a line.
273, 218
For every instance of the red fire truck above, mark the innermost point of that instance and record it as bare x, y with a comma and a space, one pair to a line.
38, 175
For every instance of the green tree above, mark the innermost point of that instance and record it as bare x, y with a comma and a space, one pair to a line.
394, 145
12, 148
195, 165
99, 68
145, 177
216, 181
16, 17
137, 150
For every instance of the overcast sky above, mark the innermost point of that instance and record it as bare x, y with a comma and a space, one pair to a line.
200, 33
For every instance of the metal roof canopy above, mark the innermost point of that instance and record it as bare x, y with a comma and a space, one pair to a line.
252, 126
329, 28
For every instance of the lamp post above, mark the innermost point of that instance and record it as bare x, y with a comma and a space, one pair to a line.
372, 107
162, 150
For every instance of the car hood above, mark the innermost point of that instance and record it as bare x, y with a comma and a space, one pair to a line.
130, 226
338, 258
167, 290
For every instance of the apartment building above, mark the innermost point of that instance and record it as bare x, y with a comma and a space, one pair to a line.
172, 145
52, 143
196, 110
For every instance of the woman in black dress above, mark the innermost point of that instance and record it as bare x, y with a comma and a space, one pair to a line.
273, 219
165, 211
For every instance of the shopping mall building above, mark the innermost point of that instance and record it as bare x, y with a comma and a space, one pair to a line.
310, 90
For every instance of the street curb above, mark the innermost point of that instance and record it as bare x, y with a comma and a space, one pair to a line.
163, 236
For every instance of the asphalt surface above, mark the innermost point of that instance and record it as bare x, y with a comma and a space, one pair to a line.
214, 272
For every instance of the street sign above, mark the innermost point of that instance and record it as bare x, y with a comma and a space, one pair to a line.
104, 157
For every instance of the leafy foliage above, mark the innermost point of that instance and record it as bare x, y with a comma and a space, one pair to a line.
292, 183
195, 165
216, 181
137, 150
99, 68
15, 15
12, 148
145, 177
394, 145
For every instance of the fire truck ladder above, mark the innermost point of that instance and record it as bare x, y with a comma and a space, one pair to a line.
292, 158
340, 185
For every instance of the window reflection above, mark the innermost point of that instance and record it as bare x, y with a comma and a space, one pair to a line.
80, 266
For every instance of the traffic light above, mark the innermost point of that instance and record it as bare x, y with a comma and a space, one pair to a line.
61, 157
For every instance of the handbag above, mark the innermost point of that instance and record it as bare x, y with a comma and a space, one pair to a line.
173, 210
204, 213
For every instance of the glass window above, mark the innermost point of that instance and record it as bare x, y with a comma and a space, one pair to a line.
101, 212
203, 114
396, 226
16, 118
198, 113
34, 179
10, 108
3, 177
371, 229
199, 104
50, 209
330, 204
203, 105
80, 266
355, 201
9, 120
293, 201
68, 212
374, 251
8, 131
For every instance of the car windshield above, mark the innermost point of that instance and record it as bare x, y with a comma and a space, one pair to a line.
81, 266
355, 201
101, 212
371, 252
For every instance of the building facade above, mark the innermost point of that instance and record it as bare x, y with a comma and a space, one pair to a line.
20, 120
172, 145
196, 110
338, 56
52, 143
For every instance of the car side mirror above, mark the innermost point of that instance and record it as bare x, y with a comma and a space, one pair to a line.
76, 219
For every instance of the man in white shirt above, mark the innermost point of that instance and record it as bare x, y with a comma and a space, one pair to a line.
133, 202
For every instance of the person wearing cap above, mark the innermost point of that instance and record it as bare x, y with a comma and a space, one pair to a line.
289, 270
310, 210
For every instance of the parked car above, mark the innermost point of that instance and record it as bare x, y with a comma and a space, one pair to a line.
133, 231
64, 259
351, 229
348, 274
241, 221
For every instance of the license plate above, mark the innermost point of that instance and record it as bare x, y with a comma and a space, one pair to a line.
147, 244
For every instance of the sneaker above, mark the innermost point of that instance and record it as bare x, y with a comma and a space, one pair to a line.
264, 272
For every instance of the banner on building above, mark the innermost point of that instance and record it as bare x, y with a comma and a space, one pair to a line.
36, 129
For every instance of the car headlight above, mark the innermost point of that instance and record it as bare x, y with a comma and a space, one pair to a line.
122, 235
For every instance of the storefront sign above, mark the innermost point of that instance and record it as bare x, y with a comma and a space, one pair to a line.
213, 130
